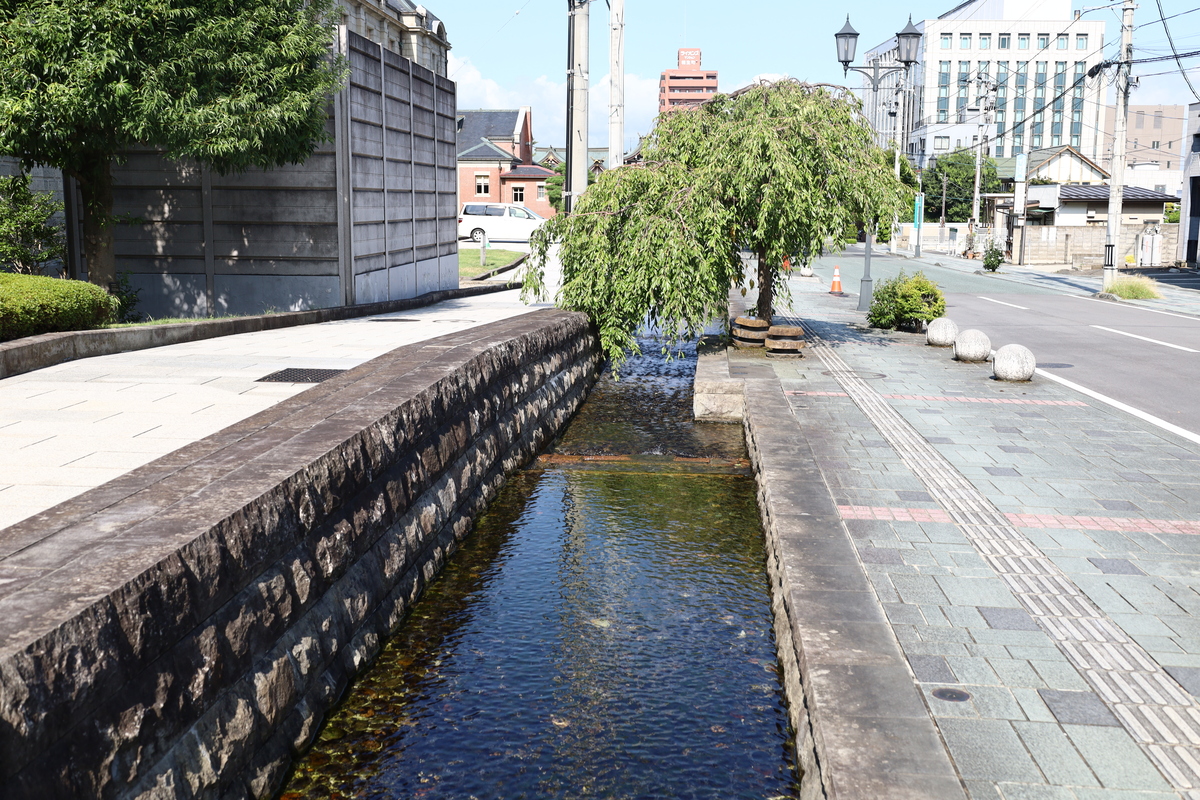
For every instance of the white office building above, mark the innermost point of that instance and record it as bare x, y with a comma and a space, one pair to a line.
1025, 60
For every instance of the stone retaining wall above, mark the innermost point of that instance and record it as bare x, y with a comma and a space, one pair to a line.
181, 631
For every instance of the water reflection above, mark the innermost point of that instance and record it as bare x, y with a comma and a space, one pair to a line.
600, 634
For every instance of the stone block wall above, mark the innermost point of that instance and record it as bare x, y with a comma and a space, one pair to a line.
1083, 245
181, 632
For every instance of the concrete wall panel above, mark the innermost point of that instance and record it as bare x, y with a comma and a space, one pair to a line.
402, 281
371, 287
428, 275
164, 295
257, 294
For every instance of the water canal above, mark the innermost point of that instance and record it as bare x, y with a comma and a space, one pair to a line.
605, 631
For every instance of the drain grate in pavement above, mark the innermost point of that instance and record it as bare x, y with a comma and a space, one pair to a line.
300, 375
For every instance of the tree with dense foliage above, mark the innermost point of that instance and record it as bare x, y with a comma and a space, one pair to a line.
230, 83
959, 169
29, 240
780, 169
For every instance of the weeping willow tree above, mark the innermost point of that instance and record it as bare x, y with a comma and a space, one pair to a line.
778, 169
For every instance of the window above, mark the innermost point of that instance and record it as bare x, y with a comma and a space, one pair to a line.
1081, 41
1004, 41
985, 41
1158, 120
1139, 121
495, 211
1043, 41
941, 143
519, 213
1062, 41
541, 191
1022, 41
1161, 188
474, 211
947, 41
1154, 145
518, 194
964, 41
482, 185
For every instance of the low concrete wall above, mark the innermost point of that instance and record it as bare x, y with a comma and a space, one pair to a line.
181, 631
48, 349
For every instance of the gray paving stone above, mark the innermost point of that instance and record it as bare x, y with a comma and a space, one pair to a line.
1009, 619
1031, 703
1115, 758
904, 613
1026, 791
1054, 754
973, 670
1187, 677
1059, 674
1116, 566
977, 592
985, 749
1013, 672
1078, 708
931, 669
919, 589
880, 555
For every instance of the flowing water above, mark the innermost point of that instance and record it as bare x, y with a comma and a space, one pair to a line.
605, 631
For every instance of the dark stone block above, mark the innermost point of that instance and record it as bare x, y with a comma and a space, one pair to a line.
931, 669
1187, 677
914, 496
1007, 472
1008, 619
1078, 708
1116, 566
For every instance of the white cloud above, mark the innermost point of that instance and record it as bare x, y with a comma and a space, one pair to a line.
548, 101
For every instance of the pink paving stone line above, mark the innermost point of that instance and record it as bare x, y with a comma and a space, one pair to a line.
944, 399
1122, 524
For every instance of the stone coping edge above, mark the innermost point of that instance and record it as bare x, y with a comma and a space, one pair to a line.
182, 631
861, 728
45, 350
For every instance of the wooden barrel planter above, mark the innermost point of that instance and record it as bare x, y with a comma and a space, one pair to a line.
750, 332
784, 340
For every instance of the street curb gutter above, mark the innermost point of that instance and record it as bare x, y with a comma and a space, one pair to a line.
37, 352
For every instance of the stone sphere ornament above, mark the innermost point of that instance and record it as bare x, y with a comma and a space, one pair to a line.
972, 345
941, 332
1013, 362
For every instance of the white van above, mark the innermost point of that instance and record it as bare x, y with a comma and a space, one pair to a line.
500, 222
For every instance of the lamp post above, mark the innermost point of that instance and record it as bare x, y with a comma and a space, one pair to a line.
908, 44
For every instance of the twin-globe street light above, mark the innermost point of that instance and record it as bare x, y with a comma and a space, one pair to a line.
908, 45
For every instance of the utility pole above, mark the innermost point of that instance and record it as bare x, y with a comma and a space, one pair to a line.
897, 127
942, 221
575, 181
1118, 163
616, 86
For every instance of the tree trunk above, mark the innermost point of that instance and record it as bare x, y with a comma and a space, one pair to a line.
766, 289
96, 186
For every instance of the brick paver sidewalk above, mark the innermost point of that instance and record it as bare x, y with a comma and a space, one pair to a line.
1034, 551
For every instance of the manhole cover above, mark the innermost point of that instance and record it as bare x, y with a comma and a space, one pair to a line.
300, 375
953, 695
1055, 366
456, 321
394, 319
866, 376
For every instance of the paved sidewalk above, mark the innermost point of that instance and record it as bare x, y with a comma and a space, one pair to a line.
74, 426
1029, 547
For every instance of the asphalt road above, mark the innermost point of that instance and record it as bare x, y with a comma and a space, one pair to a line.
1146, 359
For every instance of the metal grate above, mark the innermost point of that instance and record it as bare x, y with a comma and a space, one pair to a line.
300, 375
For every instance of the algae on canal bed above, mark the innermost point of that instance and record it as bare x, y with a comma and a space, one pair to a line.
599, 634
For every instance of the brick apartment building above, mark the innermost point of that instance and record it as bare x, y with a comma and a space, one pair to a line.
495, 160
689, 85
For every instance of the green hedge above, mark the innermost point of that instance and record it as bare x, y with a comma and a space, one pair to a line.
905, 302
31, 304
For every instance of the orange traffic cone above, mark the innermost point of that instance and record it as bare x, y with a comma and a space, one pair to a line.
836, 286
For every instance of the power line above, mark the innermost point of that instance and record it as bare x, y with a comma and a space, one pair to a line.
1175, 52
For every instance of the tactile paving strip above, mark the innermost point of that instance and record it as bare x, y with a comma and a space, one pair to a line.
1157, 712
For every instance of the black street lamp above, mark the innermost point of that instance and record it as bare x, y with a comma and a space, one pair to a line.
908, 46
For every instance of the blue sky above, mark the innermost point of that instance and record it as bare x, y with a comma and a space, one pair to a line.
508, 53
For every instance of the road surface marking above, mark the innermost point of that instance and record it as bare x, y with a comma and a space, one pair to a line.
1139, 308
1146, 339
1153, 420
1001, 302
